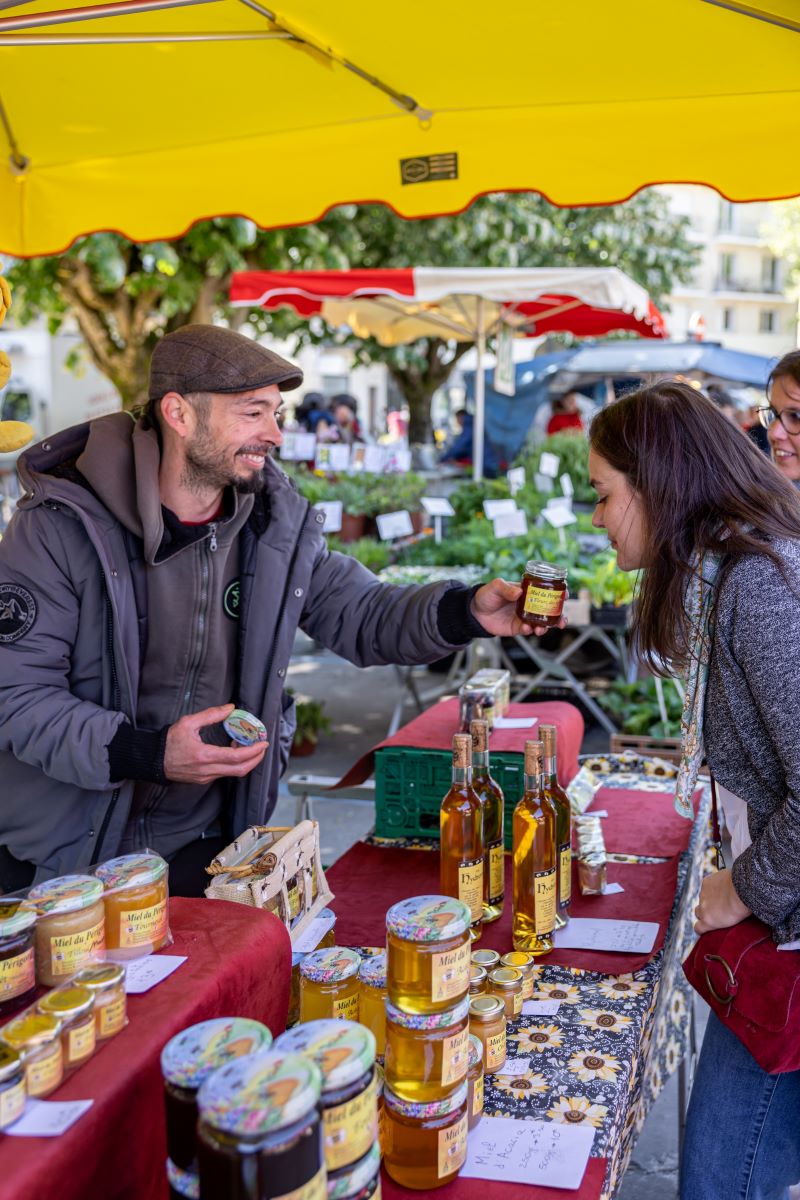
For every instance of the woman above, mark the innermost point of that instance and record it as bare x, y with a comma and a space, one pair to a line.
715, 530
566, 417
781, 416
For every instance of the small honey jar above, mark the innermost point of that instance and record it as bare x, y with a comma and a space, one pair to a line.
487, 1020
525, 963
106, 982
474, 1081
478, 980
425, 1145
544, 590
488, 959
70, 926
73, 1007
36, 1037
12, 1085
359, 1182
329, 985
426, 1054
372, 998
135, 895
427, 953
506, 982
17, 971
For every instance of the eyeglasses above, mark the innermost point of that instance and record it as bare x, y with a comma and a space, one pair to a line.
789, 418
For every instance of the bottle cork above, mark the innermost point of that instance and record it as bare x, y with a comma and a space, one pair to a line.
479, 730
548, 735
462, 751
533, 758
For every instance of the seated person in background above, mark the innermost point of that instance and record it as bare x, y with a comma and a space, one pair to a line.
459, 448
344, 410
566, 418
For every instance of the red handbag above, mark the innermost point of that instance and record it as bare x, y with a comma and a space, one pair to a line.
751, 985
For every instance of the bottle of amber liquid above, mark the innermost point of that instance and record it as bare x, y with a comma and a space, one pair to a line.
534, 861
560, 802
461, 837
491, 797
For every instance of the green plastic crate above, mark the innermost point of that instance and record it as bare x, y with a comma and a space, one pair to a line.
411, 784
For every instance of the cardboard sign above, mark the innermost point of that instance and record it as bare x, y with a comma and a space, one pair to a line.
511, 524
437, 506
543, 483
333, 515
548, 464
626, 937
543, 1153
394, 525
559, 517
498, 508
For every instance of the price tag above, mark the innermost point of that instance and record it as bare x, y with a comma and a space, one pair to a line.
322, 458
398, 461
144, 973
357, 459
567, 485
540, 1008
512, 524
394, 525
437, 506
340, 457
516, 479
48, 1118
514, 1067
298, 447
540, 1153
374, 459
498, 508
543, 483
548, 464
559, 517
333, 515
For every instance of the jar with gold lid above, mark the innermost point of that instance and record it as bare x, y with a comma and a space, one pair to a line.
544, 590
12, 1085
427, 953
187, 1060
426, 1054
73, 1006
425, 1144
135, 895
359, 1182
17, 969
487, 1020
258, 1137
70, 926
329, 985
372, 998
106, 982
474, 1081
478, 980
344, 1051
488, 959
525, 963
506, 982
36, 1037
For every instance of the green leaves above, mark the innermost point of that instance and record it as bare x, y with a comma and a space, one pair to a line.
635, 707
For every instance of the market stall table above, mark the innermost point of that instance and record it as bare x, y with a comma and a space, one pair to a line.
238, 963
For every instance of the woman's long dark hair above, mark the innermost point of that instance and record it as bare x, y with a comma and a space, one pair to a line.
703, 487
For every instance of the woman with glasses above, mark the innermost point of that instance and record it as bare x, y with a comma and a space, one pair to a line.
781, 416
716, 537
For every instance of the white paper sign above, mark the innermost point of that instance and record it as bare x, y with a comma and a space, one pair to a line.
48, 1118
516, 479
567, 485
333, 515
613, 889
504, 379
437, 506
144, 973
543, 483
559, 517
600, 812
625, 937
543, 1153
514, 1067
374, 458
340, 457
548, 464
512, 524
540, 1008
394, 525
499, 508
556, 502
514, 722
298, 447
357, 459
397, 460
313, 934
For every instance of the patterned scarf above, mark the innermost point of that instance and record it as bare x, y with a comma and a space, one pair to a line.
700, 593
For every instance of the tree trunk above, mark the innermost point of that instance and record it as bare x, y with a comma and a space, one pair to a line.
418, 381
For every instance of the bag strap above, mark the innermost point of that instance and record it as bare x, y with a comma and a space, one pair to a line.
716, 836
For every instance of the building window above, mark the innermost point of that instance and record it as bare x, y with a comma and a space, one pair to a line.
769, 273
766, 320
725, 216
727, 269
728, 319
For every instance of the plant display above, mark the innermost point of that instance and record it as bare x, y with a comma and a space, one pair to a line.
604, 581
311, 721
360, 494
635, 707
572, 453
370, 553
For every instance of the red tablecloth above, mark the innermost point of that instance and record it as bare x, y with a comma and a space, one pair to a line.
368, 879
643, 822
434, 730
238, 964
482, 1189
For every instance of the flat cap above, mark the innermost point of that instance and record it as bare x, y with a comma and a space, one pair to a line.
208, 358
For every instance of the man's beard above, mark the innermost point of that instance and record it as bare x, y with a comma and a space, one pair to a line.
207, 468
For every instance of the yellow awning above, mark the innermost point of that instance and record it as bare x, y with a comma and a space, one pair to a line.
585, 102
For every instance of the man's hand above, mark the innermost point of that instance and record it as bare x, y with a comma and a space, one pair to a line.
494, 605
720, 906
187, 759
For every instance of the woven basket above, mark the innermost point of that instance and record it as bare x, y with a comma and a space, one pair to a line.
279, 869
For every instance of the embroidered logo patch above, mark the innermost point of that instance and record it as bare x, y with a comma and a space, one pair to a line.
17, 611
230, 600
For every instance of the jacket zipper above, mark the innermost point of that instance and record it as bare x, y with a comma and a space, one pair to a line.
116, 703
282, 607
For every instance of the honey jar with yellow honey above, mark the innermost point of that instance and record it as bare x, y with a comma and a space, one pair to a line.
136, 899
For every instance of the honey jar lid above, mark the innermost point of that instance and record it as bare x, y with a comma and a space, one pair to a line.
477, 974
474, 1050
485, 958
183, 1183
356, 1178
14, 917
427, 1021
343, 1050
428, 918
505, 978
30, 1030
373, 970
260, 1093
191, 1056
10, 1062
519, 959
66, 1002
131, 870
543, 570
434, 1108
101, 976
334, 964
486, 1008
68, 893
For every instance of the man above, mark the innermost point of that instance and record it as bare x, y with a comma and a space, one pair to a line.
154, 576
344, 411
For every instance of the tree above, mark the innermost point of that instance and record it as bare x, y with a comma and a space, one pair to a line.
124, 296
784, 236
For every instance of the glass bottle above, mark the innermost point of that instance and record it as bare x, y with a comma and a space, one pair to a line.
492, 801
461, 840
560, 801
534, 861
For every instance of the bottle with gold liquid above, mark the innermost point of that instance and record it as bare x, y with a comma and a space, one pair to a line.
534, 861
560, 802
491, 797
461, 837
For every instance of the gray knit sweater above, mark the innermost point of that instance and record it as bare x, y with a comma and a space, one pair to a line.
752, 728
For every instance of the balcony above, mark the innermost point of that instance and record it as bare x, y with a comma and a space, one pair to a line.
760, 287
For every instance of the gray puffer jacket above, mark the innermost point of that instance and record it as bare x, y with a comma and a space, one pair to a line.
70, 653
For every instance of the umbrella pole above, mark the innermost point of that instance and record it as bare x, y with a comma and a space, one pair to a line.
480, 396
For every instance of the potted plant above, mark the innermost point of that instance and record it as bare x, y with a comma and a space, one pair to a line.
611, 591
311, 722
